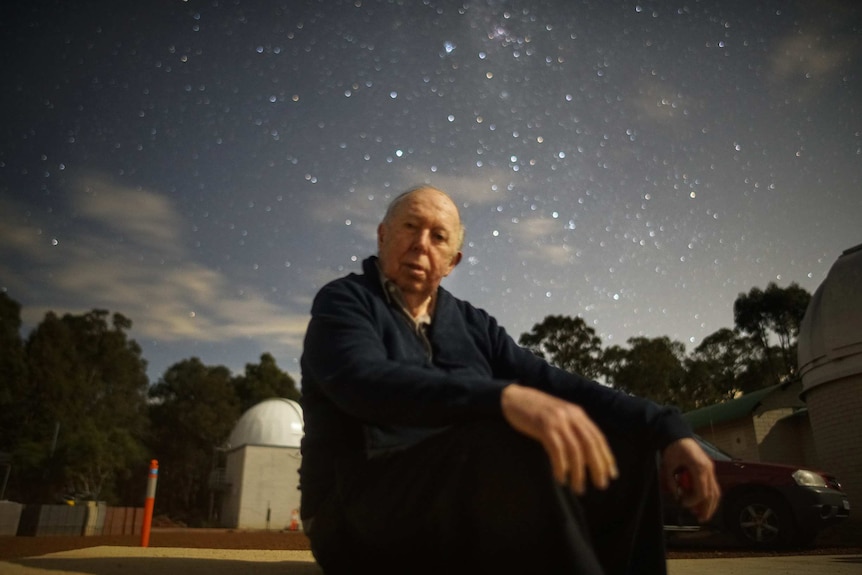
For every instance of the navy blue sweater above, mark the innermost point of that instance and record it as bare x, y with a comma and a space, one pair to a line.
370, 384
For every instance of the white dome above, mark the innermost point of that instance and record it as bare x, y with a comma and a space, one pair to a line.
830, 337
277, 422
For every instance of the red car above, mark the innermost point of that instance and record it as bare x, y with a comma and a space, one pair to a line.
766, 505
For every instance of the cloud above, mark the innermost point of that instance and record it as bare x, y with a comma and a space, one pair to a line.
535, 230
804, 64
125, 251
18, 236
660, 103
482, 187
145, 218
808, 61
539, 239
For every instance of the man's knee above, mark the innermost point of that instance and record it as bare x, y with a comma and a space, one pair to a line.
495, 448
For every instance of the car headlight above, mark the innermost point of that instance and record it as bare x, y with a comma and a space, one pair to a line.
809, 478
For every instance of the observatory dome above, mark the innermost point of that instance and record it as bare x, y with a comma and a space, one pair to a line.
830, 337
274, 422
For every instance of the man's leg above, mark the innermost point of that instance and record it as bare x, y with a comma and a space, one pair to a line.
476, 498
626, 520
524, 521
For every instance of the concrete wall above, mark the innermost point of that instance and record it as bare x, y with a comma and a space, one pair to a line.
234, 466
37, 520
10, 516
263, 490
87, 518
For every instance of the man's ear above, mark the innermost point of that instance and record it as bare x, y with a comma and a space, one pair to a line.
380, 235
456, 259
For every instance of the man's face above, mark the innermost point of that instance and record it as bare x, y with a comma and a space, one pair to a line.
419, 243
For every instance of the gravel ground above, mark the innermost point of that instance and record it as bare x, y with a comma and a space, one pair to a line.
844, 539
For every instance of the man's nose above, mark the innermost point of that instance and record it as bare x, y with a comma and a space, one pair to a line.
422, 240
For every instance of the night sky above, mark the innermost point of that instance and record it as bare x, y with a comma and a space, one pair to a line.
204, 168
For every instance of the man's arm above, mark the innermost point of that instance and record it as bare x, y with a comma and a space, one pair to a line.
566, 414
577, 447
699, 491
574, 444
611, 410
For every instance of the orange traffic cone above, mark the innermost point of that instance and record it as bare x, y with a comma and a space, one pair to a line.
294, 521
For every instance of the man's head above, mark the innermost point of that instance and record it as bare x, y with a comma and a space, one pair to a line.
419, 240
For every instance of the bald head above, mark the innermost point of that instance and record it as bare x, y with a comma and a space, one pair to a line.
426, 189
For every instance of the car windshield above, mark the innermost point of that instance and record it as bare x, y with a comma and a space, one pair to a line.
713, 451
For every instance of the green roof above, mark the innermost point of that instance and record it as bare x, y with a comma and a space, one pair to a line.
728, 410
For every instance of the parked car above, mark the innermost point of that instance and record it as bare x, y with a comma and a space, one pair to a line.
765, 505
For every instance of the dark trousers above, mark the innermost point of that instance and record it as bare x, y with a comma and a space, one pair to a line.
481, 498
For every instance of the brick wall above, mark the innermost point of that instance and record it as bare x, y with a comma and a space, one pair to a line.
786, 438
835, 410
737, 438
775, 436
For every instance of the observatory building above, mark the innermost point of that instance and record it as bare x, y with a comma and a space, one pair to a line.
830, 363
261, 475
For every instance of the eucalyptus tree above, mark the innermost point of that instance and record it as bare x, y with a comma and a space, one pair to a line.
720, 367
649, 367
772, 318
193, 408
83, 407
262, 381
566, 342
12, 382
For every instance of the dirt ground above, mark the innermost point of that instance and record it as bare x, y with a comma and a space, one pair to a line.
841, 540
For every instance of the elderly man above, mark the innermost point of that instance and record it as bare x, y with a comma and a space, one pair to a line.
435, 444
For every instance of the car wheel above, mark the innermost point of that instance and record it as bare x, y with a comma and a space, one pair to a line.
762, 520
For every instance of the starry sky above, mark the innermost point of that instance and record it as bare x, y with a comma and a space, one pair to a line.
204, 167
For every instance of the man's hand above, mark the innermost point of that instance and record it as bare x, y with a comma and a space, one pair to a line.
701, 493
573, 442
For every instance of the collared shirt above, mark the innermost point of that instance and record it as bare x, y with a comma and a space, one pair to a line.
421, 324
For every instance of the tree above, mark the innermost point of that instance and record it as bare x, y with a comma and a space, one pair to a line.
193, 410
84, 411
773, 315
12, 372
566, 342
263, 381
650, 368
716, 368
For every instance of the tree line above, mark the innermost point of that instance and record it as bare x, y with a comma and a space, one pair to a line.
758, 352
79, 417
80, 420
